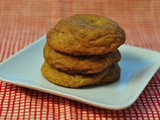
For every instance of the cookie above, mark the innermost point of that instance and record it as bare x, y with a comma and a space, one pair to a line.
86, 34
79, 64
77, 80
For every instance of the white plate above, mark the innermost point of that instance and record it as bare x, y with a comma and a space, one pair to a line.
137, 67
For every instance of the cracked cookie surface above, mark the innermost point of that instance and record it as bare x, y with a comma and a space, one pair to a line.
86, 34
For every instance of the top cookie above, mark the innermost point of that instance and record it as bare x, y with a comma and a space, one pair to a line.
86, 34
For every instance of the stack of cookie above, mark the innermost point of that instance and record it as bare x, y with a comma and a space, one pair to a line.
83, 50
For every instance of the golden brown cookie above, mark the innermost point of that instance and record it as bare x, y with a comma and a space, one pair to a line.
75, 80
86, 34
79, 64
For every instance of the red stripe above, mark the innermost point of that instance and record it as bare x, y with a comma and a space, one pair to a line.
135, 111
8, 52
112, 114
13, 49
129, 112
19, 110
35, 113
53, 107
81, 109
59, 115
106, 115
47, 113
139, 109
19, 46
77, 115
41, 110
30, 104
100, 115
14, 99
148, 104
4, 52
87, 111
64, 104
117, 115
25, 100
94, 112
70, 107
9, 97
2, 100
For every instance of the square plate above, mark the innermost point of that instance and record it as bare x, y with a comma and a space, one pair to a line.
137, 68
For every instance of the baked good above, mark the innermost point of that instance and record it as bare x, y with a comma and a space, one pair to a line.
55, 76
86, 34
79, 64
82, 50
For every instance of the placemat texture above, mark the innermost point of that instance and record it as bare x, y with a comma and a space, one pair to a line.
23, 21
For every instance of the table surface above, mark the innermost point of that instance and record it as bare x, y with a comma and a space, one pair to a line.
22, 22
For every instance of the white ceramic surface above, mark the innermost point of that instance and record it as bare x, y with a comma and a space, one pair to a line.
137, 68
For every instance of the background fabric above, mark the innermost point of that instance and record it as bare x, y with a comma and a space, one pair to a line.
23, 21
